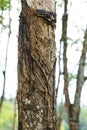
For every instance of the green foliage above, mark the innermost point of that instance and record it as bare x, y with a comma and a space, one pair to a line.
6, 117
71, 77
1, 19
4, 4
64, 125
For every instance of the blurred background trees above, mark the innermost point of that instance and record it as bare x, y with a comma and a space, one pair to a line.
8, 68
73, 77
8, 43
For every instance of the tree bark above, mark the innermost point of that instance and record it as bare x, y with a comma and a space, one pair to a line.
73, 110
73, 113
36, 66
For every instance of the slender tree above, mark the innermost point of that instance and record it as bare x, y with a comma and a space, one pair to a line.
36, 66
5, 5
72, 109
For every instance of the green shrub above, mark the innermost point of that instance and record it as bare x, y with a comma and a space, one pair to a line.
6, 117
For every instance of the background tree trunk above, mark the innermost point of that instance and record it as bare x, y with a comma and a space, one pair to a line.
73, 110
36, 66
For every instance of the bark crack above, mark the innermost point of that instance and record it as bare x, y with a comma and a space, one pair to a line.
49, 16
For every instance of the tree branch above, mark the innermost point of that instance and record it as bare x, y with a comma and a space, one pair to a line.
64, 39
85, 78
80, 75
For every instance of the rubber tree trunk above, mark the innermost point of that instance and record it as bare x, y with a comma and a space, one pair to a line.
36, 66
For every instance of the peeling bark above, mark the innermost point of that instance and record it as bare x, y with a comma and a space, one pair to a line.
36, 69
